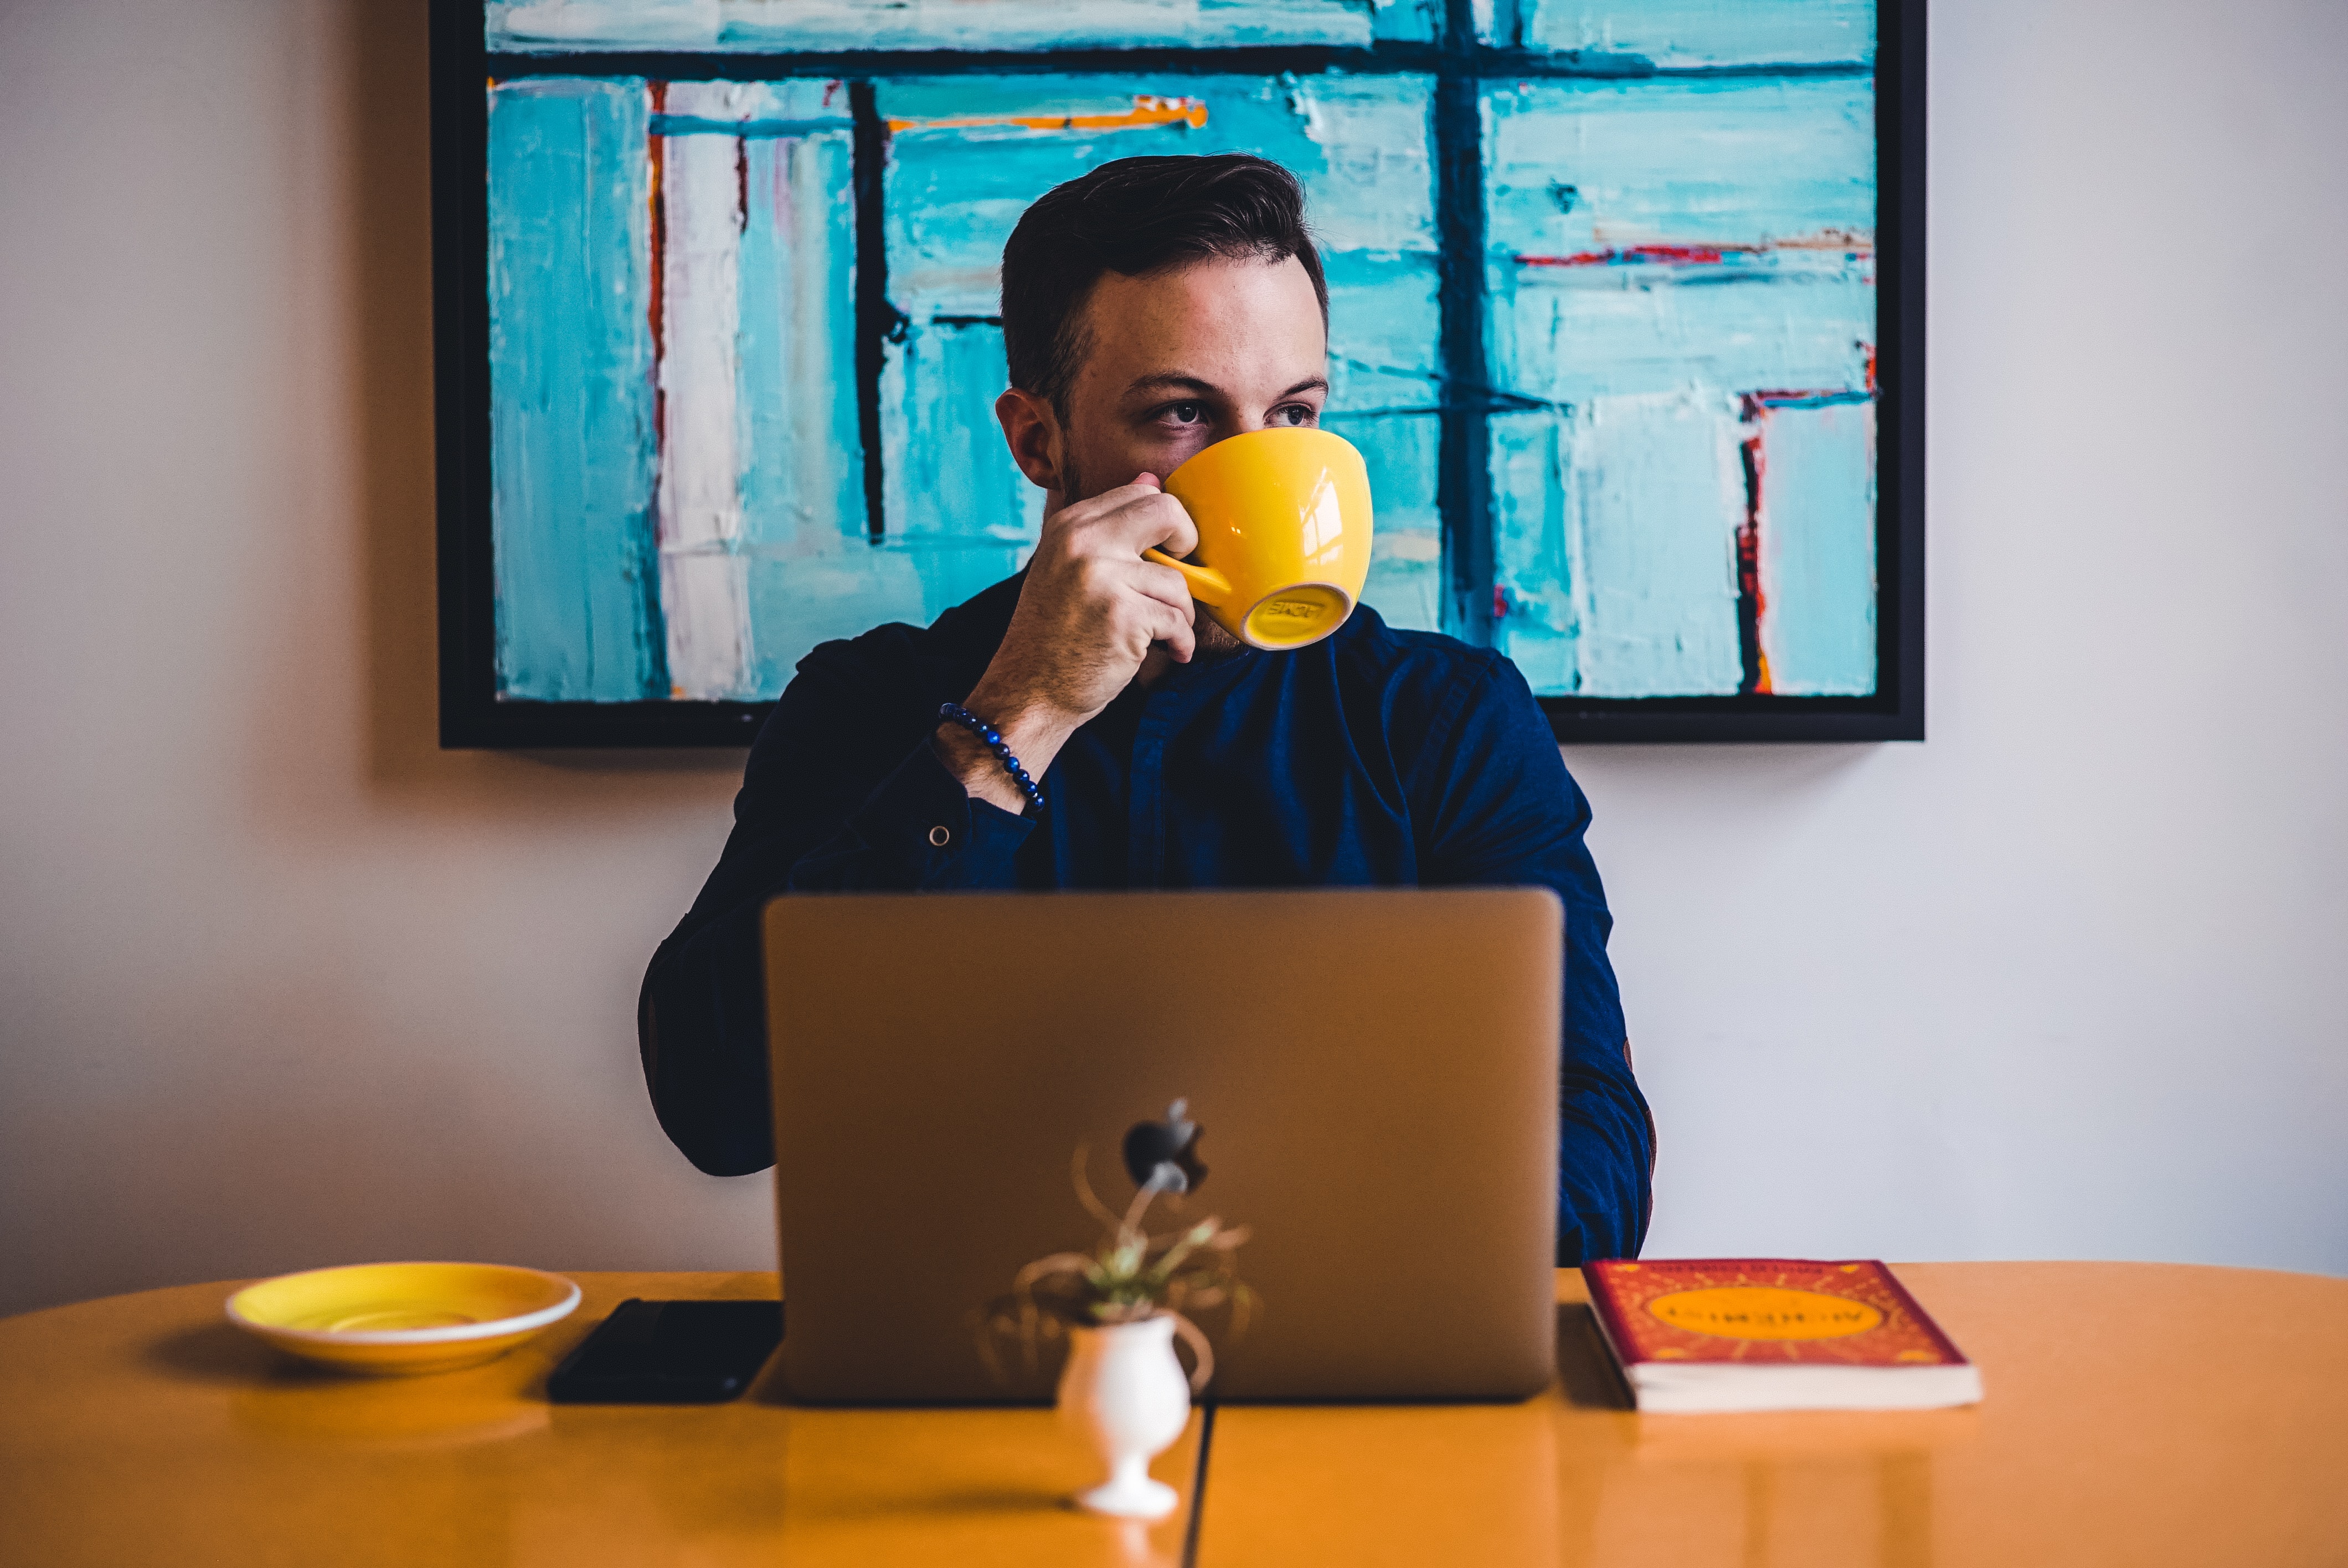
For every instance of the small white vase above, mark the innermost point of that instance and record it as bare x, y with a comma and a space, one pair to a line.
1123, 1393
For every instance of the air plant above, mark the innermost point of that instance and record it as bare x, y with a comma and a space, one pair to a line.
1133, 1275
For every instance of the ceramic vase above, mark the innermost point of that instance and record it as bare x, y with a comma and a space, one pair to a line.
1124, 1395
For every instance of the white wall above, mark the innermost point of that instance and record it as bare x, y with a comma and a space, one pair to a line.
281, 984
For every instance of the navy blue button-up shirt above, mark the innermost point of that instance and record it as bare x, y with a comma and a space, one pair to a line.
1374, 758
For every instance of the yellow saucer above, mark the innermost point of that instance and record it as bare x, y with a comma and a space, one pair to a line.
394, 1320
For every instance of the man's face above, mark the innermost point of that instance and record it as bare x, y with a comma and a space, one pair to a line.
1179, 360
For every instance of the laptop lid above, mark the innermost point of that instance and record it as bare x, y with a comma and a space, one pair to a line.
1375, 1071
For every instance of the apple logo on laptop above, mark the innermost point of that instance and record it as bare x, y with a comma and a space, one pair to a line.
1164, 1154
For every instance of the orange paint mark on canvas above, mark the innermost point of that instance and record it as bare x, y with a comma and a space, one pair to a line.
1148, 110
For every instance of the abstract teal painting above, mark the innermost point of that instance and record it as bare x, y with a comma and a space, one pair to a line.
719, 288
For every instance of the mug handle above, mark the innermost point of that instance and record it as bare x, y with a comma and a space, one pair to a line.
1208, 586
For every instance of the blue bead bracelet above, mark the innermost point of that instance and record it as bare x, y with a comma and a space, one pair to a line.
994, 739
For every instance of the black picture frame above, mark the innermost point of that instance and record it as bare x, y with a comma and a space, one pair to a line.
473, 716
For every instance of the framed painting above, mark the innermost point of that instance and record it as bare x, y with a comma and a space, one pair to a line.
1626, 315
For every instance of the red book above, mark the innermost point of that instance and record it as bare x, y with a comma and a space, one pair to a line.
1774, 1333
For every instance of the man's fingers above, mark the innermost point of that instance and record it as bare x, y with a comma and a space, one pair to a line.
1123, 496
1158, 616
1165, 585
1071, 523
1146, 519
1175, 633
1178, 535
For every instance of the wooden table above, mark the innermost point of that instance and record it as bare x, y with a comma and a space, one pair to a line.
2137, 1414
146, 1430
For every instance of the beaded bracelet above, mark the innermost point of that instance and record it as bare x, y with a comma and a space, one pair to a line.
994, 739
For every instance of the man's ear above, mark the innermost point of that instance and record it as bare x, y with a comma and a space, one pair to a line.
1033, 433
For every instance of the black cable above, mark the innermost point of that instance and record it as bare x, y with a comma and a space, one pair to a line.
1199, 1483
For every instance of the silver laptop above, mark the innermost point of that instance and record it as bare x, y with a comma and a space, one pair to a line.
1374, 1073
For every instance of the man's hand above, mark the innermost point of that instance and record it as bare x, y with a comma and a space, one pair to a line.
1088, 614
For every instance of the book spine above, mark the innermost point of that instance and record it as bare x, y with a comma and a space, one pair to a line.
1610, 1327
1614, 1357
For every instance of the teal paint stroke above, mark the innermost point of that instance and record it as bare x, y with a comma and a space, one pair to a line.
1689, 33
1407, 21
570, 393
769, 25
1384, 320
960, 515
1646, 484
955, 503
1572, 337
1615, 512
1818, 549
812, 574
1579, 165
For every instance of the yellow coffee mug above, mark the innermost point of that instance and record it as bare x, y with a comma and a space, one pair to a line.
1284, 518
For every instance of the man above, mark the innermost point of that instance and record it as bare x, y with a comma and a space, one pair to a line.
1150, 308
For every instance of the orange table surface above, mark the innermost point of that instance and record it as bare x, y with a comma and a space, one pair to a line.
2137, 1414
147, 1429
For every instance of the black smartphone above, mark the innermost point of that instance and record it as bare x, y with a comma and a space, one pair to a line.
669, 1353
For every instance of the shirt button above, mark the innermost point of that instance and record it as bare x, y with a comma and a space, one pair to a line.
940, 837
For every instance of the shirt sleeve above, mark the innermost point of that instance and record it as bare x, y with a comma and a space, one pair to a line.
842, 794
1501, 810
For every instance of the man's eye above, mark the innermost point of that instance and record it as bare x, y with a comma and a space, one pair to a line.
1292, 414
1185, 413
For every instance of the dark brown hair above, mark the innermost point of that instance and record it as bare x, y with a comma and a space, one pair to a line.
1132, 217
